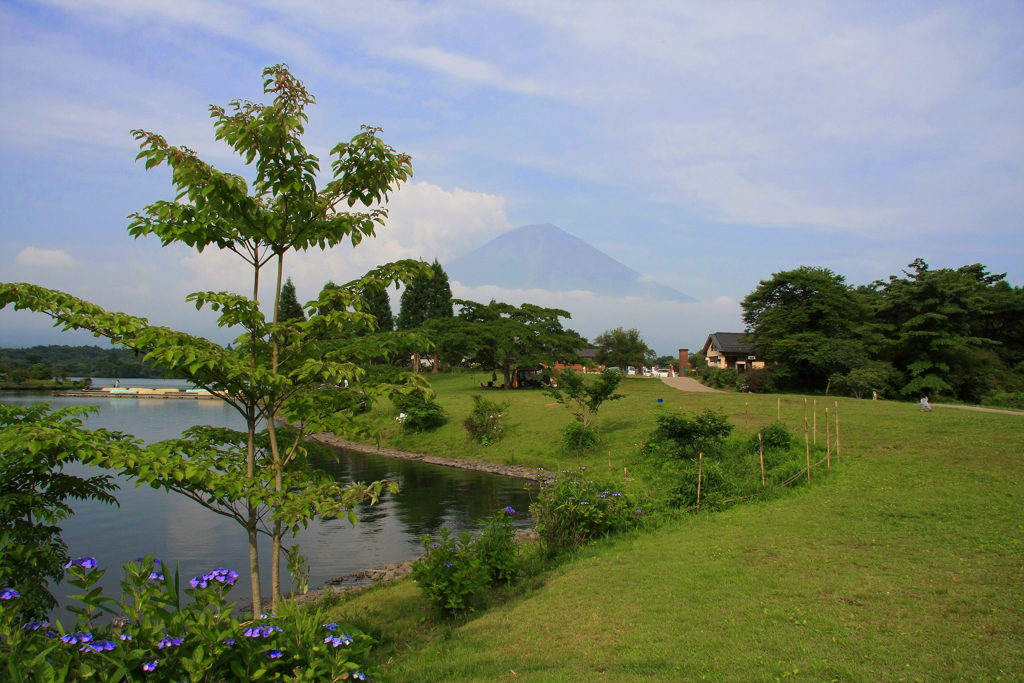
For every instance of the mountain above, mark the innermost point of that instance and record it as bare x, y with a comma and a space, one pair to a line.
547, 257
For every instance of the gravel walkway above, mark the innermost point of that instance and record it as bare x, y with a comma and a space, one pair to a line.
688, 384
980, 410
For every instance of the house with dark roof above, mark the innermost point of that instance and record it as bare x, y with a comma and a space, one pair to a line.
725, 350
584, 356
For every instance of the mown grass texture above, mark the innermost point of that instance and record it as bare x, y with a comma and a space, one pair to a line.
906, 564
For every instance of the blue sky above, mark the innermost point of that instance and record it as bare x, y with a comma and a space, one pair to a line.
705, 145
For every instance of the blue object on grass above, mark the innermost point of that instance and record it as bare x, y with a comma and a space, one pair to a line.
660, 400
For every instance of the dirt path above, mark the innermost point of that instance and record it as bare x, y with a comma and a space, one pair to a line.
980, 410
688, 384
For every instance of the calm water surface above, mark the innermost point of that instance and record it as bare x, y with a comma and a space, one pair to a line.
177, 530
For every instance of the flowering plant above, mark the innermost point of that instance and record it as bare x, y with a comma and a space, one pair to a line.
571, 510
151, 637
450, 573
496, 547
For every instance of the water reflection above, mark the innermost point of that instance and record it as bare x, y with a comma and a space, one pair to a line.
178, 530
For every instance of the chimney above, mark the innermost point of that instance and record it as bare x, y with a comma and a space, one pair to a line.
684, 359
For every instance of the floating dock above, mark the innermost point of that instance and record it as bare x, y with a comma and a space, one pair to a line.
141, 392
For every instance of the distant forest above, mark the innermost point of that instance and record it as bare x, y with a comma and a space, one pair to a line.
77, 361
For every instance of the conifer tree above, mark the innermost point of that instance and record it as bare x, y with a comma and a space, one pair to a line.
289, 308
378, 304
426, 298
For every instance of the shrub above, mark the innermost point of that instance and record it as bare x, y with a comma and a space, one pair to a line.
153, 638
1005, 399
578, 438
451, 572
484, 424
423, 417
713, 485
571, 510
758, 381
776, 437
704, 433
496, 547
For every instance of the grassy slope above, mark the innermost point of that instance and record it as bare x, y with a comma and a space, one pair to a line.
908, 564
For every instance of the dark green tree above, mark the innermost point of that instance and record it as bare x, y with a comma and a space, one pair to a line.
378, 304
428, 297
289, 308
620, 348
931, 322
804, 323
502, 337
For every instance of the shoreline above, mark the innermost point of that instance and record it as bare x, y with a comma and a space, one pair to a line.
515, 471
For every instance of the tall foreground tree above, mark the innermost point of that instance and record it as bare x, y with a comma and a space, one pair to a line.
259, 480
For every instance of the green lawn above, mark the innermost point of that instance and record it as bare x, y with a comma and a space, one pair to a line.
907, 564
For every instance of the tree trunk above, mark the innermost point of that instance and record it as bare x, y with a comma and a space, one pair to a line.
254, 563
433, 368
416, 363
507, 372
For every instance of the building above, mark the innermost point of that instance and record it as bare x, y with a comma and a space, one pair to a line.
585, 355
725, 350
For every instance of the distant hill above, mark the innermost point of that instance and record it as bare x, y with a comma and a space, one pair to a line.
547, 257
81, 361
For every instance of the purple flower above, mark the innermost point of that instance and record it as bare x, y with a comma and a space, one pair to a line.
274, 654
583, 502
83, 562
565, 471
333, 626
156, 576
124, 636
98, 646
77, 637
447, 564
149, 666
583, 467
35, 625
229, 641
358, 675
336, 641
616, 494
226, 576
639, 512
263, 631
509, 511
51, 634
435, 545
169, 641
9, 594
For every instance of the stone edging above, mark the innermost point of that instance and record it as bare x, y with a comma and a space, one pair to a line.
517, 471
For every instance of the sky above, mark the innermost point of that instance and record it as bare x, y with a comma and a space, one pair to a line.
707, 145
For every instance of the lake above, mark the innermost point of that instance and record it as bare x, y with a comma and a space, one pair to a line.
177, 530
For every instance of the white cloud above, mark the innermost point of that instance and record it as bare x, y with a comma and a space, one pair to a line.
425, 222
666, 326
44, 258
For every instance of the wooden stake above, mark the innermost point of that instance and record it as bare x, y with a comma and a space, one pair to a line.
805, 414
760, 441
778, 408
839, 455
815, 422
807, 442
700, 473
609, 461
828, 440
625, 475
746, 418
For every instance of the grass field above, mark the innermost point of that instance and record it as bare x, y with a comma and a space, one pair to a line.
906, 564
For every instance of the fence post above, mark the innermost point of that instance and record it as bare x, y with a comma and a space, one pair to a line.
839, 453
828, 440
746, 418
815, 422
778, 408
807, 442
700, 473
760, 441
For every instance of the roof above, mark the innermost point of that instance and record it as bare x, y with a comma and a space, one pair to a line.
729, 342
587, 353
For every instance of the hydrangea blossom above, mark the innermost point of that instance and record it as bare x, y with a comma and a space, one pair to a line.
83, 562
358, 675
509, 510
274, 654
149, 666
337, 641
77, 637
333, 626
9, 594
98, 646
169, 641
226, 576
262, 631
125, 636
35, 625
229, 641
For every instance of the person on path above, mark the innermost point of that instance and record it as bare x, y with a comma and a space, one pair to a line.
925, 405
